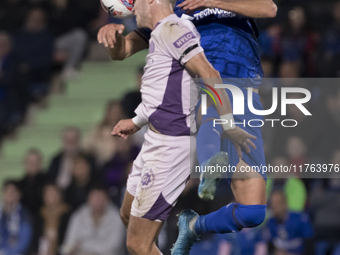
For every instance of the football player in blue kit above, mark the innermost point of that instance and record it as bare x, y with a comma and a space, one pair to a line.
229, 38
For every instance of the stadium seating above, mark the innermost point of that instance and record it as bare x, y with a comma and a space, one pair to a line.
82, 105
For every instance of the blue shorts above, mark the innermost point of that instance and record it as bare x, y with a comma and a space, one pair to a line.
256, 157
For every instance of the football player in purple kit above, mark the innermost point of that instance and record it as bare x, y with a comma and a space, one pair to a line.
229, 39
162, 168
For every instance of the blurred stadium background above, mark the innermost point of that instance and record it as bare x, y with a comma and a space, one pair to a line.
60, 95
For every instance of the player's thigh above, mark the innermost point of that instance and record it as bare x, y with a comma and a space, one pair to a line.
126, 208
142, 235
248, 189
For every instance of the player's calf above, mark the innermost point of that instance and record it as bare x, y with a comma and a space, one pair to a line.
142, 235
231, 218
249, 216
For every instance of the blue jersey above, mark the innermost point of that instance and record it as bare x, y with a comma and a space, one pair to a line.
229, 41
245, 241
290, 234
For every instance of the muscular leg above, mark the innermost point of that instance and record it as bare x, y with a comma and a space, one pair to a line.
136, 223
250, 190
126, 208
142, 235
249, 210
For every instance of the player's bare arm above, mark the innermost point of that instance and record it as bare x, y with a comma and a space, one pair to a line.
200, 66
248, 8
125, 128
120, 47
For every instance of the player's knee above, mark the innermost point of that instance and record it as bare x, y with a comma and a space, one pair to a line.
131, 246
135, 247
249, 216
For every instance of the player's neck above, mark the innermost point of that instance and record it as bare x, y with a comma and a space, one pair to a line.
162, 13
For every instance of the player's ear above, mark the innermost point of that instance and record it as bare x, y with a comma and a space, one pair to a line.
151, 1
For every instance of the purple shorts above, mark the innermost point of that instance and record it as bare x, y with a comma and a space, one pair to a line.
159, 174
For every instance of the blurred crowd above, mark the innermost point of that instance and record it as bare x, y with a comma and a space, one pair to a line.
43, 38
39, 40
72, 207
302, 41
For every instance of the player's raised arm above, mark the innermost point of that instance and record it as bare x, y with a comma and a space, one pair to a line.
183, 44
199, 65
120, 47
248, 8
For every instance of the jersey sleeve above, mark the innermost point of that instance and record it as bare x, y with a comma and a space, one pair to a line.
142, 113
181, 40
144, 33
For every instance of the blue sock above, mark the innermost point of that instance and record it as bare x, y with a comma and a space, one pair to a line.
208, 137
231, 218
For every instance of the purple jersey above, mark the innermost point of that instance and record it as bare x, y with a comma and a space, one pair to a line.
168, 95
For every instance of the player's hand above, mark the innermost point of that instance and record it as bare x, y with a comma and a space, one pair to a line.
125, 128
191, 5
241, 139
107, 34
